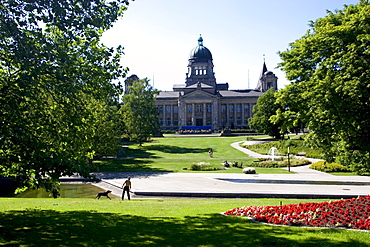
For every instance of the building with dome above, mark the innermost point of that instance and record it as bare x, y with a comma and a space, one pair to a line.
203, 103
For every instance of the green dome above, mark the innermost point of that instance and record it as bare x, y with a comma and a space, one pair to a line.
200, 53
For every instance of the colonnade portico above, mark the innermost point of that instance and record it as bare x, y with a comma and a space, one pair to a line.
176, 114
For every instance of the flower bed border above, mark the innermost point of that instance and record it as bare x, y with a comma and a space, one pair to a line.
351, 213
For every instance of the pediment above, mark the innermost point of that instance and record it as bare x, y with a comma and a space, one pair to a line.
198, 94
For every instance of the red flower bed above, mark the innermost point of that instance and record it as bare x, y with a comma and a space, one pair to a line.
351, 213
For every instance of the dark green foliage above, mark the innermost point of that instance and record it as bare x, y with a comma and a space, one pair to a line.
265, 108
55, 88
329, 69
139, 113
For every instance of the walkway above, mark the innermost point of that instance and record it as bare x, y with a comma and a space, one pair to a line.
302, 182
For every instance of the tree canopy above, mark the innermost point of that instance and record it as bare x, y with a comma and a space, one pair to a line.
139, 113
265, 108
54, 76
330, 91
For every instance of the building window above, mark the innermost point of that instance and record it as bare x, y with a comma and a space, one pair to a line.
209, 108
246, 110
168, 109
168, 121
160, 109
190, 108
223, 108
199, 108
238, 120
175, 109
231, 107
238, 108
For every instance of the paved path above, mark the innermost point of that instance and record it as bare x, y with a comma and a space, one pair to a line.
302, 182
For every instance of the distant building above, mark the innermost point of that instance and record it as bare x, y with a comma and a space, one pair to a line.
201, 101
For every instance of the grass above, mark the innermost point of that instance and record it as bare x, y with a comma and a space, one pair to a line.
181, 222
174, 153
343, 173
296, 145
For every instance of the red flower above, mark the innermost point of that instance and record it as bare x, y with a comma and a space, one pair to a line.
351, 213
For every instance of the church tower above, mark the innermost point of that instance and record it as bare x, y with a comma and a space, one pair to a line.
266, 80
200, 67
129, 81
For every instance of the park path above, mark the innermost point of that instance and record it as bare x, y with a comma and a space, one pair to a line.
300, 169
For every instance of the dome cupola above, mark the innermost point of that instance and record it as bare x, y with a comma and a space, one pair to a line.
200, 53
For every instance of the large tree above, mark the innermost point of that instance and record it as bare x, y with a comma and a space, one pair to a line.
53, 70
330, 72
265, 108
139, 113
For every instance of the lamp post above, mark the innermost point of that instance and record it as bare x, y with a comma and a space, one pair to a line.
288, 159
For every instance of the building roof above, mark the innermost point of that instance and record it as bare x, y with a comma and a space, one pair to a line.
168, 94
200, 52
244, 93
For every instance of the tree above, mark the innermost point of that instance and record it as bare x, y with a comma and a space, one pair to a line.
139, 112
262, 112
53, 67
329, 69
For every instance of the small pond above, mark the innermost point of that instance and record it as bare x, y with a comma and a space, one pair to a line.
67, 190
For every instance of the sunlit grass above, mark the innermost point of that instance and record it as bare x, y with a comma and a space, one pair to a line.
177, 154
181, 222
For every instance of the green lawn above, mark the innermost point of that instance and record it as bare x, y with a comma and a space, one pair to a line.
297, 144
174, 153
182, 222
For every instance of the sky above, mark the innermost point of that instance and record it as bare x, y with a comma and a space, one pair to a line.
158, 36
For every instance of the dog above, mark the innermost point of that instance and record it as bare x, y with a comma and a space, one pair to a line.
106, 193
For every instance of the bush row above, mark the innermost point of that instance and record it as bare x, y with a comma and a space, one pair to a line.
329, 167
202, 166
283, 163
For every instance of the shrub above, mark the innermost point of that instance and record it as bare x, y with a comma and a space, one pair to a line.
202, 166
283, 163
268, 164
329, 167
249, 170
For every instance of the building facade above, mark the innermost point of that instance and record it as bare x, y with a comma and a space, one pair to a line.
201, 101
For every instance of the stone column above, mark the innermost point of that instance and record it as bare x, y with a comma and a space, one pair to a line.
171, 107
164, 116
227, 115
182, 113
235, 122
243, 109
204, 114
193, 114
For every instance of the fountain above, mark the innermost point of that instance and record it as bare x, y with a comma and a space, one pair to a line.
272, 152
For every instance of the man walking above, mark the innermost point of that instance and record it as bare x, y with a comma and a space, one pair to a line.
126, 187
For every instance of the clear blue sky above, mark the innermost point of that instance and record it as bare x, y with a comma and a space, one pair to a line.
158, 36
